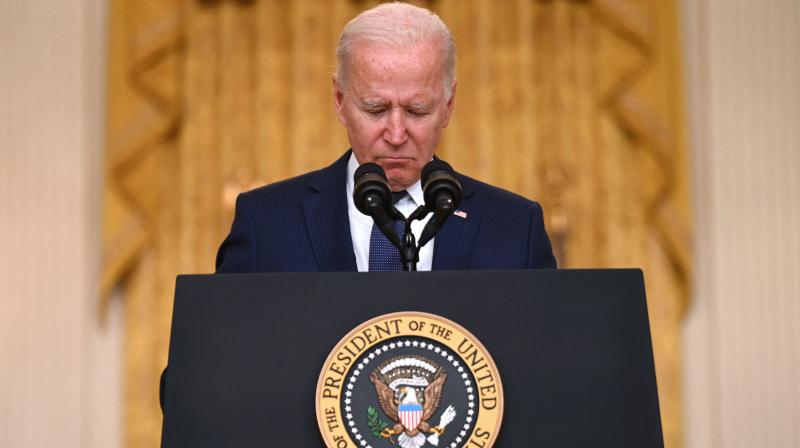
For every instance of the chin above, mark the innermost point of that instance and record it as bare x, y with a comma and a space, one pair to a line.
400, 180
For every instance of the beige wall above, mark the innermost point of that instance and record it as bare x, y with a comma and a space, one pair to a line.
742, 344
59, 370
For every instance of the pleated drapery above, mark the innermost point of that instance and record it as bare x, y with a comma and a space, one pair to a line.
575, 104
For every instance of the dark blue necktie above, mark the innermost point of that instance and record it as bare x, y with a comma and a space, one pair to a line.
383, 256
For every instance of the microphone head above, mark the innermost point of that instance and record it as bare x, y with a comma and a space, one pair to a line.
436, 164
370, 184
368, 167
438, 178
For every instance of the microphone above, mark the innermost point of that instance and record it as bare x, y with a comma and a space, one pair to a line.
373, 196
442, 193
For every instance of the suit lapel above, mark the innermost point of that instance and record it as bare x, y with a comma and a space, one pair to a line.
325, 209
453, 245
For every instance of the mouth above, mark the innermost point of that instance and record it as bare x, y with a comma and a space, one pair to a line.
394, 162
393, 158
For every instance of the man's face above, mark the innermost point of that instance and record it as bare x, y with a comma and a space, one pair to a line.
394, 108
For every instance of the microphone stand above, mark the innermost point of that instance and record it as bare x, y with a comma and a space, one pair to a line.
409, 251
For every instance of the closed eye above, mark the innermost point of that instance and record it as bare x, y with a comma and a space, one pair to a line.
375, 112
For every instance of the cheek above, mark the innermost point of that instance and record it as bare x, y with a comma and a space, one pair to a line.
367, 132
425, 137
365, 137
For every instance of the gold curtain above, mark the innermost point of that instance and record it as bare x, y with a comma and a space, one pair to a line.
576, 104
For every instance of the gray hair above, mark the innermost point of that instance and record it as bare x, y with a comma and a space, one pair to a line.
397, 24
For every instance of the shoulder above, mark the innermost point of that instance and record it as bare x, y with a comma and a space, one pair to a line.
275, 191
290, 190
490, 197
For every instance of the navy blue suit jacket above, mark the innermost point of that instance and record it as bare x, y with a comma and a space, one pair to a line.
301, 225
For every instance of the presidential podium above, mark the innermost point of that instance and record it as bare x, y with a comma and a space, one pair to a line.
572, 348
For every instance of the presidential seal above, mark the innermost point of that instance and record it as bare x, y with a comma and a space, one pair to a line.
411, 380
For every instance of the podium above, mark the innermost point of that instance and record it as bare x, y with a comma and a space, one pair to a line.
572, 347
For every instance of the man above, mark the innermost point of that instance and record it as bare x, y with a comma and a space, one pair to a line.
394, 92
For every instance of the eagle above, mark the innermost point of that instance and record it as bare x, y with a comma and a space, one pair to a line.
410, 431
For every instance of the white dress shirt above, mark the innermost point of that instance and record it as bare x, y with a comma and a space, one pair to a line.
361, 224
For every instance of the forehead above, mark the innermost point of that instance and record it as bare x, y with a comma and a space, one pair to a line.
379, 70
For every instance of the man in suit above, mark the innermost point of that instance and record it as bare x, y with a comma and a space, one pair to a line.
394, 92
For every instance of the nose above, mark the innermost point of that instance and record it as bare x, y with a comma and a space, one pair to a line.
395, 133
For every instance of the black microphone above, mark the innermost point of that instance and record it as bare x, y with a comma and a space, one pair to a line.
373, 196
442, 193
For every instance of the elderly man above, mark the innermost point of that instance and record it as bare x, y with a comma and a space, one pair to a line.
394, 92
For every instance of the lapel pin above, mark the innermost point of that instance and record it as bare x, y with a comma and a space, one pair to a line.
460, 214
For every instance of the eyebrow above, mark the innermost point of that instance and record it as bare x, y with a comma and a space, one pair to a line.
370, 103
420, 105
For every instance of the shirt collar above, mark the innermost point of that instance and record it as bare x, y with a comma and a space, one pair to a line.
415, 191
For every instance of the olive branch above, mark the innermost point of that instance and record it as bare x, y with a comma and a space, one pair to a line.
375, 423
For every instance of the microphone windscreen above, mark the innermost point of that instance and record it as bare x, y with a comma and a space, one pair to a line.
433, 166
439, 181
370, 186
369, 168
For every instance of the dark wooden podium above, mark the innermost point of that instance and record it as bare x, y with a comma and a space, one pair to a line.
572, 346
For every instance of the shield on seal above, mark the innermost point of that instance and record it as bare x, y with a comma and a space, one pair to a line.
410, 415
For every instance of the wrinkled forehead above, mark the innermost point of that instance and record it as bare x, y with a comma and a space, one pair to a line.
378, 67
366, 51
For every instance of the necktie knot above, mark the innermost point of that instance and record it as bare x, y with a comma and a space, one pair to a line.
398, 195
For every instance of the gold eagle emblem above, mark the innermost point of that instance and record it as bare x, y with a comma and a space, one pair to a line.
409, 390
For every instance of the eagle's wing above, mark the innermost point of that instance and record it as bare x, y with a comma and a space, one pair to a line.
385, 397
433, 395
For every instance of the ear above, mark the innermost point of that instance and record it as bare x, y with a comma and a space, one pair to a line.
338, 100
451, 103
